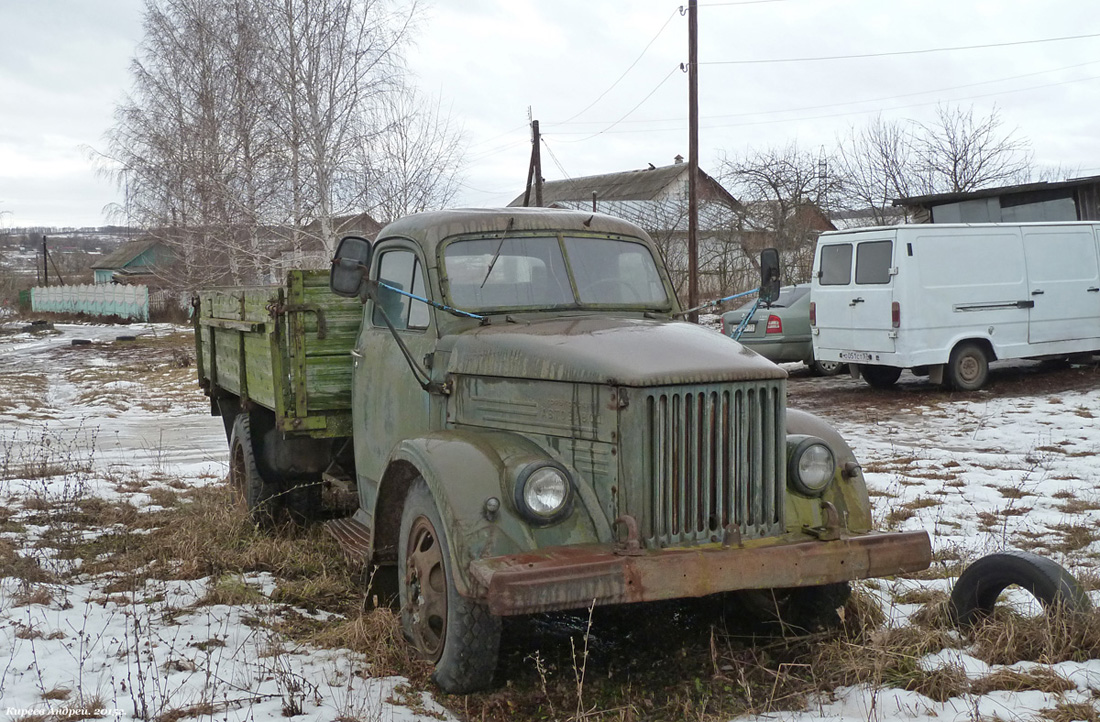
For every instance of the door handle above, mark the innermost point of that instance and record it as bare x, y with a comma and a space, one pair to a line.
1094, 289
855, 301
1037, 292
356, 354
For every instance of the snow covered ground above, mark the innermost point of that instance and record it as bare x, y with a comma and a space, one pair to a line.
980, 472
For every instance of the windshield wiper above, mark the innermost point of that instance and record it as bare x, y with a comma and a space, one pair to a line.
496, 255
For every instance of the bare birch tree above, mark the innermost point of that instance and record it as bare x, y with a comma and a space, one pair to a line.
414, 161
786, 193
243, 135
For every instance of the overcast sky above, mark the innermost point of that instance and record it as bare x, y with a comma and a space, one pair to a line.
64, 66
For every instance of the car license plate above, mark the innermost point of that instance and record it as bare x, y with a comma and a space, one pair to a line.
750, 328
854, 356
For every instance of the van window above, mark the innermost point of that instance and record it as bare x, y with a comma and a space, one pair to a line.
836, 265
873, 262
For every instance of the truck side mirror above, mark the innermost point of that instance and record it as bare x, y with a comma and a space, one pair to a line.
349, 266
769, 275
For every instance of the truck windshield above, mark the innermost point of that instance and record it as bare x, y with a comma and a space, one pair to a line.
530, 272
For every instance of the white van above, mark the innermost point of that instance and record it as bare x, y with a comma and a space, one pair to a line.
946, 299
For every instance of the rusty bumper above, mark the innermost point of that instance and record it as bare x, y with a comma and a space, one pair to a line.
571, 577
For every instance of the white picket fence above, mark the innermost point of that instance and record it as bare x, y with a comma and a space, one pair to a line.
101, 299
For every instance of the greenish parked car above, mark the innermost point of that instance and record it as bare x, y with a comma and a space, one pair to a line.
529, 427
780, 331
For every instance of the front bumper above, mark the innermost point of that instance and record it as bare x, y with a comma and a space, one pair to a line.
577, 576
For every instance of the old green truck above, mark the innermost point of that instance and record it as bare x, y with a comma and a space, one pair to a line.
529, 427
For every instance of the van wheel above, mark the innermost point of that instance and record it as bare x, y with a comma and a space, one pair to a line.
881, 377
459, 635
968, 367
261, 497
826, 368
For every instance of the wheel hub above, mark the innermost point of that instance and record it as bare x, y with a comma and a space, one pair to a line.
426, 585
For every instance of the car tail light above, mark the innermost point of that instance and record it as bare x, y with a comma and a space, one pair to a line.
775, 325
895, 314
813, 313
724, 331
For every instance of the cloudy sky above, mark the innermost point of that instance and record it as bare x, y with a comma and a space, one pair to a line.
603, 78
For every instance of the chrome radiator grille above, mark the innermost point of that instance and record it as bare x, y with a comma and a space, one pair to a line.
715, 456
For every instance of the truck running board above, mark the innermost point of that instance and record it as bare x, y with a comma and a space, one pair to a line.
354, 538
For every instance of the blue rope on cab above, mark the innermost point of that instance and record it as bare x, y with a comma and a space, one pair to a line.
433, 304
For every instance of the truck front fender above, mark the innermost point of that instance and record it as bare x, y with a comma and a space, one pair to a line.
464, 470
849, 490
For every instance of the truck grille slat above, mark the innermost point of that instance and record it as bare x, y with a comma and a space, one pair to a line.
715, 457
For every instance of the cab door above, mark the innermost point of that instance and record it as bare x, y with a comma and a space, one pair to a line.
388, 402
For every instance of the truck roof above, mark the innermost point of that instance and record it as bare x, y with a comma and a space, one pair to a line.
432, 227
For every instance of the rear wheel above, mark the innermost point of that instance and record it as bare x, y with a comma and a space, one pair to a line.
880, 377
459, 635
260, 496
968, 367
826, 368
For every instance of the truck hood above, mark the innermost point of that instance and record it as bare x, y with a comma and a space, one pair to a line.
615, 351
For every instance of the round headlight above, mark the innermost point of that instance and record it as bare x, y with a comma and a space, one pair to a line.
544, 492
812, 467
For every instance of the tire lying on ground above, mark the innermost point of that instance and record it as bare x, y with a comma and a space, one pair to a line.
975, 593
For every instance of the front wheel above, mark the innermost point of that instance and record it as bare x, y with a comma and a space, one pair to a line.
459, 635
880, 377
968, 367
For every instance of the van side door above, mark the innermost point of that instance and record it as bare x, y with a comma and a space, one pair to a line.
1064, 283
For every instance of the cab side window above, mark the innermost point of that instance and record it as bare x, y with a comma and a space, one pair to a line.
401, 270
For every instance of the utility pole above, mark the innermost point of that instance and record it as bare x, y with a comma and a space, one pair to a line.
45, 263
534, 170
693, 157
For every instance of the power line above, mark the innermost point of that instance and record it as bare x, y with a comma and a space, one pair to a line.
900, 52
836, 115
636, 60
555, 158
629, 112
878, 99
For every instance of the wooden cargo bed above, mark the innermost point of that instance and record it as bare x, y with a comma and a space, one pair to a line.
286, 348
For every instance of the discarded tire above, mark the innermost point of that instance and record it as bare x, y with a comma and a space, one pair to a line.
81, 342
125, 337
976, 591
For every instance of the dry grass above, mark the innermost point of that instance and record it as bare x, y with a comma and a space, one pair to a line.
1014, 680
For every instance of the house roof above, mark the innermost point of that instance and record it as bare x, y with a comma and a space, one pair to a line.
938, 198
125, 254
646, 184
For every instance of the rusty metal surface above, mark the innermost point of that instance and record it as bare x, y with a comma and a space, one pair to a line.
570, 577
